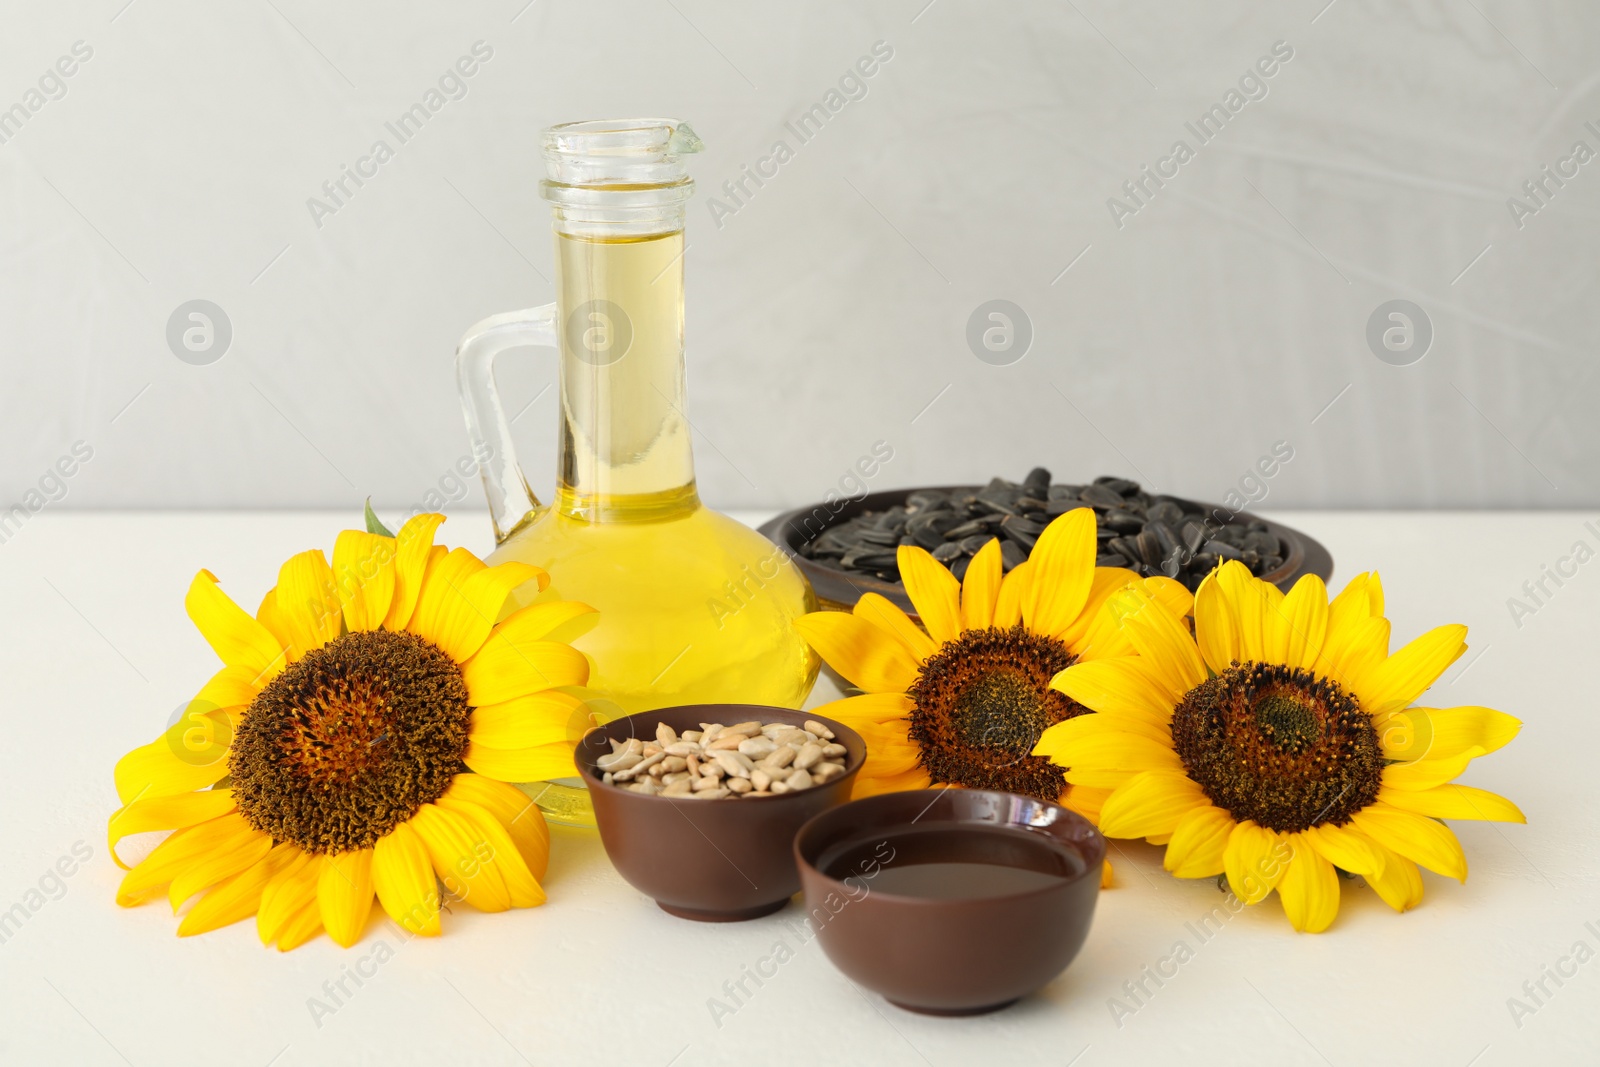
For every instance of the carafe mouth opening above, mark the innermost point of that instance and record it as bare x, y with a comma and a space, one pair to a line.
620, 154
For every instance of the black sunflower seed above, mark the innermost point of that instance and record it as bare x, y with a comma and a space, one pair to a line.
1223, 550
968, 529
873, 535
1011, 555
1021, 530
1134, 529
1164, 535
1120, 486
1122, 521
1100, 496
1165, 511
924, 530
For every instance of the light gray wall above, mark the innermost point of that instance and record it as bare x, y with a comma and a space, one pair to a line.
830, 311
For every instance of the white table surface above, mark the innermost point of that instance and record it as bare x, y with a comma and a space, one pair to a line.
96, 653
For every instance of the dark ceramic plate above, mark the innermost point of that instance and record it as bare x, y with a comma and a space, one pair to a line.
840, 590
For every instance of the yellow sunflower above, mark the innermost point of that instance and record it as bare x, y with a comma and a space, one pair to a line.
1277, 745
964, 702
358, 741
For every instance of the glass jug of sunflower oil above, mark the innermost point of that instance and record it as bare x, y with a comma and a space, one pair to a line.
693, 606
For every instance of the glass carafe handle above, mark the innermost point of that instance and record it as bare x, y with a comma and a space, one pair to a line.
510, 499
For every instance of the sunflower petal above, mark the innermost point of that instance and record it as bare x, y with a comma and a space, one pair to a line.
1454, 802
538, 719
1245, 604
1406, 675
933, 590
1086, 801
1013, 588
444, 615
866, 708
886, 615
1347, 849
231, 687
1438, 733
889, 750
1302, 623
363, 575
462, 857
1309, 889
1172, 595
1150, 803
1091, 625
308, 601
1199, 843
403, 879
1061, 737
1416, 837
344, 891
1163, 641
1107, 751
1361, 599
981, 587
464, 617
301, 927
504, 670
517, 813
1063, 572
523, 888
1427, 773
413, 547
1125, 686
538, 621
192, 754
1255, 861
1400, 884
179, 852
237, 851
1216, 630
166, 813
867, 656
865, 786
289, 892
235, 899
237, 639
1366, 646
538, 763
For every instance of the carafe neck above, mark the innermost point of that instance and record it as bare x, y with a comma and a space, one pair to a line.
625, 449
618, 194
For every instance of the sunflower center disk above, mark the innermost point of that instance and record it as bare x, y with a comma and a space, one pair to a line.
350, 741
1279, 746
981, 702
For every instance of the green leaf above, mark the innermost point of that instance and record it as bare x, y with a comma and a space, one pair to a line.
374, 524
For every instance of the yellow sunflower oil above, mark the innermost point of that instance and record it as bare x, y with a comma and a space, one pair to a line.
693, 607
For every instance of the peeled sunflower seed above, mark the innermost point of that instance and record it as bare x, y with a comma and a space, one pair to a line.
748, 759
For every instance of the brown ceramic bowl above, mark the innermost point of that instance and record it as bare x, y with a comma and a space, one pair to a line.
962, 953
839, 590
711, 860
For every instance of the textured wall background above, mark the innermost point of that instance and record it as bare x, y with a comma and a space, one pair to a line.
1227, 312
